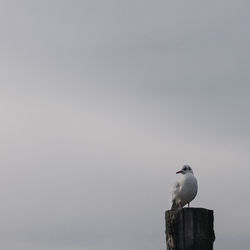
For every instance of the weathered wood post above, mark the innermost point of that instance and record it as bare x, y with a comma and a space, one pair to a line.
190, 229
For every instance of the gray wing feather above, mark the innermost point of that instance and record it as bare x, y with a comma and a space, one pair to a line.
174, 194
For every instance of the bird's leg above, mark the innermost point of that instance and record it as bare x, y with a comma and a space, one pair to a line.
188, 204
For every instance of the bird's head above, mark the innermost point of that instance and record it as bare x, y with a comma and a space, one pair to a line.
185, 169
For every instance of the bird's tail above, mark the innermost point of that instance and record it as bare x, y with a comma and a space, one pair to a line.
174, 206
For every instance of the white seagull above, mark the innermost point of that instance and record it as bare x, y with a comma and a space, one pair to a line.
185, 188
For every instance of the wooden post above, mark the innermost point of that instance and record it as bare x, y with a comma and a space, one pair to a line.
190, 229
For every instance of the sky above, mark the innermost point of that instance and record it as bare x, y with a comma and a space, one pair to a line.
101, 102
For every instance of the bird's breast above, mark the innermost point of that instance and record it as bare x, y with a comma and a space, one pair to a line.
189, 188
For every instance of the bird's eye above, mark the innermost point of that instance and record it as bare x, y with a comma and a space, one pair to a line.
185, 168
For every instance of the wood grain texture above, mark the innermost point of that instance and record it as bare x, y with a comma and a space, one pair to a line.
190, 229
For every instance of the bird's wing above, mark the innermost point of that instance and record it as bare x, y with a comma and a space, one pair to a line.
176, 190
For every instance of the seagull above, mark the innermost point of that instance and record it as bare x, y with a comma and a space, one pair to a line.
185, 189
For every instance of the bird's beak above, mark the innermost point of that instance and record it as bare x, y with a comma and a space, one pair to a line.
179, 172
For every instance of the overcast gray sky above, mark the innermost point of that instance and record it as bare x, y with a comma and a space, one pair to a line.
103, 101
